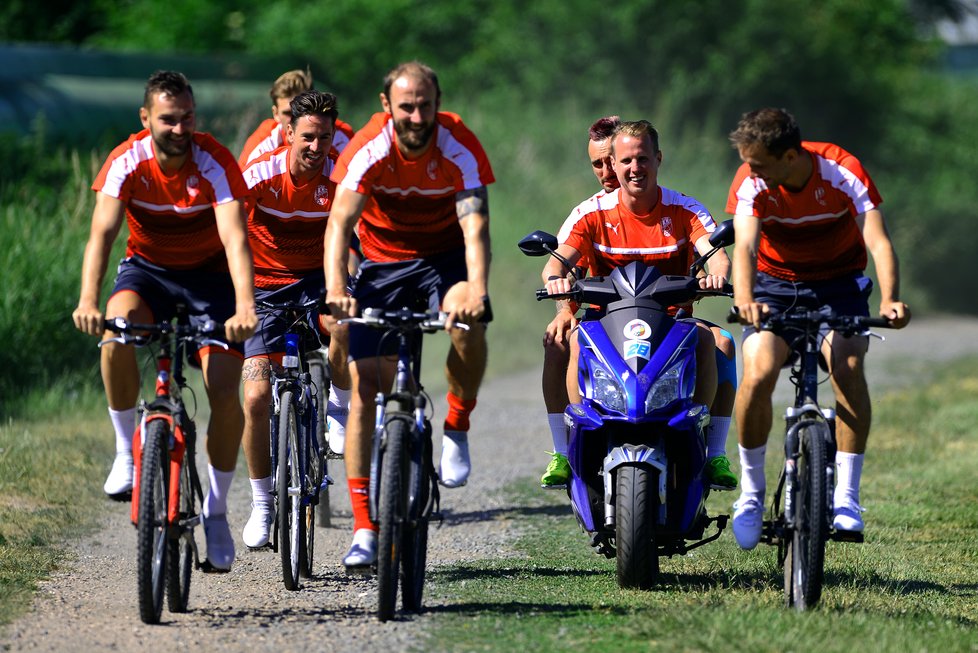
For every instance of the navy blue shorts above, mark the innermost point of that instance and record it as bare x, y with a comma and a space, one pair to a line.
419, 284
270, 336
848, 295
208, 295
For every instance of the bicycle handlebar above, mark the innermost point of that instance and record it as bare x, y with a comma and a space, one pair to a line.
403, 319
802, 319
133, 333
267, 307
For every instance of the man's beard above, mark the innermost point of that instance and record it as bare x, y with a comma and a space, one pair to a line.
412, 139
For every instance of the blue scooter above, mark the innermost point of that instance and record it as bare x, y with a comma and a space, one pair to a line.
637, 439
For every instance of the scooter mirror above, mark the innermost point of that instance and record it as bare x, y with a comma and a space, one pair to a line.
539, 243
723, 235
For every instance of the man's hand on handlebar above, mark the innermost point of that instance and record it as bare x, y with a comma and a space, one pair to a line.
712, 282
751, 313
558, 285
897, 313
88, 319
241, 326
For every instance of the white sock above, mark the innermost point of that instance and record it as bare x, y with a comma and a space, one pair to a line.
849, 469
124, 423
339, 404
752, 471
261, 490
558, 431
716, 436
216, 502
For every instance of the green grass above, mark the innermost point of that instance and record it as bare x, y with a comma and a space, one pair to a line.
911, 586
50, 492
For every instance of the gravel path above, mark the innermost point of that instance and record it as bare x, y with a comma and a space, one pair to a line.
91, 605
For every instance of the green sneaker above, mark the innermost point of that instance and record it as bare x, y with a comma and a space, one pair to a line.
719, 475
557, 474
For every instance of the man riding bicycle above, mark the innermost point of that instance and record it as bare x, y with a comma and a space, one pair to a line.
805, 215
291, 195
181, 194
416, 178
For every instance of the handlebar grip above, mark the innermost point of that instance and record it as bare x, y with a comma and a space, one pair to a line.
542, 294
732, 316
881, 322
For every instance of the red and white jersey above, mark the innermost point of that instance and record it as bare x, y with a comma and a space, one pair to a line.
568, 224
287, 222
609, 235
171, 217
270, 135
410, 209
809, 235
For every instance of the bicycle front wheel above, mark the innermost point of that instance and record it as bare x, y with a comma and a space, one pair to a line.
290, 520
392, 510
319, 371
804, 562
181, 551
415, 553
152, 524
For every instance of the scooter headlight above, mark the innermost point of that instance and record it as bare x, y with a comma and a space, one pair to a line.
606, 390
666, 389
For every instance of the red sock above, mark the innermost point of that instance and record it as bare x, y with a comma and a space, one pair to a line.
458, 413
360, 501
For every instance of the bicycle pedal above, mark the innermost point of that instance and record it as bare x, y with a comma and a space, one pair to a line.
853, 537
555, 486
361, 570
121, 497
208, 568
722, 488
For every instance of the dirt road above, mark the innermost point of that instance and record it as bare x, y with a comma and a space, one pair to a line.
91, 605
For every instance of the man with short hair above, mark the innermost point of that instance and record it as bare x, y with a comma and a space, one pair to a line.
645, 222
181, 194
416, 178
270, 134
291, 196
805, 214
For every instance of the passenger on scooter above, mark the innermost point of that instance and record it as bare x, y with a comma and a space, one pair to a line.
556, 348
805, 214
645, 222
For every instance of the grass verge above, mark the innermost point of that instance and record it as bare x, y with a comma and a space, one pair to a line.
911, 586
50, 471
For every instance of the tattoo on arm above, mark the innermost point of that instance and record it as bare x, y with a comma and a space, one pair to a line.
473, 200
256, 369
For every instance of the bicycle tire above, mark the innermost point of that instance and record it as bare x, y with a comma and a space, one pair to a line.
636, 499
288, 497
152, 523
391, 512
318, 369
805, 559
181, 550
311, 480
415, 551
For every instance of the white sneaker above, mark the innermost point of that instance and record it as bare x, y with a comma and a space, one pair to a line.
255, 533
220, 544
119, 480
748, 521
455, 463
363, 551
336, 431
848, 517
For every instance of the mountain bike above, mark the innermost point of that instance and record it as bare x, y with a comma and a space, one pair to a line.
800, 515
403, 483
167, 494
298, 458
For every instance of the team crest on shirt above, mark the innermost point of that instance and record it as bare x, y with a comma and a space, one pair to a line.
193, 186
432, 169
322, 195
820, 195
667, 226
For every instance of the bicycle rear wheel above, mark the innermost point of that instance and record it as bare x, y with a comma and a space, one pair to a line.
290, 521
415, 553
319, 371
152, 524
805, 559
391, 509
181, 551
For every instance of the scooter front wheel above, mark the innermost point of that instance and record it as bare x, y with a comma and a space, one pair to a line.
636, 503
